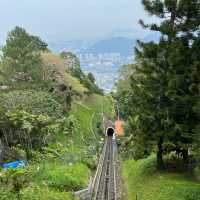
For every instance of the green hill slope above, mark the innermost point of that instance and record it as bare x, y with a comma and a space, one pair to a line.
144, 180
65, 164
88, 112
57, 64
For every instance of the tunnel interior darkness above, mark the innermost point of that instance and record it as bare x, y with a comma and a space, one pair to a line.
110, 132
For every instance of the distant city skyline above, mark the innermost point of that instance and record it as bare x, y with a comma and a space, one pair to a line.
64, 20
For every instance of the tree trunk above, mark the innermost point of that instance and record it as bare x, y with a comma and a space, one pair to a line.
185, 155
172, 21
160, 162
1, 152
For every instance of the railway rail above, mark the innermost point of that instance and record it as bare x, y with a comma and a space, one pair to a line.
104, 187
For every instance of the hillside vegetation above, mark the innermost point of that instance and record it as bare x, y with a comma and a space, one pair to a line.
50, 117
62, 76
147, 183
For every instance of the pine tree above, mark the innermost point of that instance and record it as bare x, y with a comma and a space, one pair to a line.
21, 62
165, 85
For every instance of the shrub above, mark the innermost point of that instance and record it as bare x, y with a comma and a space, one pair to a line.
188, 193
31, 101
16, 179
20, 127
38, 193
7, 194
90, 162
64, 177
197, 173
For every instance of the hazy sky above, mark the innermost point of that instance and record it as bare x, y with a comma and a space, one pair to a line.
56, 20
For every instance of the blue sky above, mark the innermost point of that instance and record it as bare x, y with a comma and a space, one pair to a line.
55, 20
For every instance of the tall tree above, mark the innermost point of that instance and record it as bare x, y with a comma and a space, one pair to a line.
91, 77
165, 84
71, 61
21, 57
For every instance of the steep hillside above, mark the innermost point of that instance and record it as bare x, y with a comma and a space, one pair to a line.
57, 64
49, 122
88, 109
88, 112
65, 163
85, 115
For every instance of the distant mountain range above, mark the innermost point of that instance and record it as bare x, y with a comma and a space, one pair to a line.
105, 68
121, 45
115, 44
71, 45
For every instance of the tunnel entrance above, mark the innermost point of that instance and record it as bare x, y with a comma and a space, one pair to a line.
110, 132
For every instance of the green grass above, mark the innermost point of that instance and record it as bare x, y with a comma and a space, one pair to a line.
43, 193
62, 177
46, 180
84, 143
67, 163
88, 114
35, 193
143, 179
78, 147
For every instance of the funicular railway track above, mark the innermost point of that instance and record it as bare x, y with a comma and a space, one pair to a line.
106, 182
104, 185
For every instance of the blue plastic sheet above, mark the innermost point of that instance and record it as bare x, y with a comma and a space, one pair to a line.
15, 164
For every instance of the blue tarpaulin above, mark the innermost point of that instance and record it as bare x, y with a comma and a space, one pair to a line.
15, 164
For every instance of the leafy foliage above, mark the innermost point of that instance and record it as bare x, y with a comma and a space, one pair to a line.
164, 97
58, 148
38, 193
91, 77
72, 62
22, 128
31, 101
56, 179
21, 61
123, 94
16, 179
64, 178
73, 66
7, 194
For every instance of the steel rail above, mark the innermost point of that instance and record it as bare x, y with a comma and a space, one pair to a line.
97, 178
105, 180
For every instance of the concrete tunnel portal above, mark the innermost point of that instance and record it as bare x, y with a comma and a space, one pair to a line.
110, 132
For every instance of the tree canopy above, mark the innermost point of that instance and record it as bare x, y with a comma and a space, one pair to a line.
164, 97
21, 62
